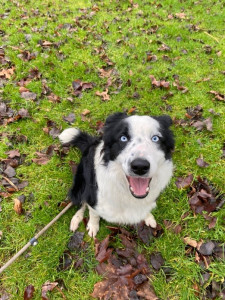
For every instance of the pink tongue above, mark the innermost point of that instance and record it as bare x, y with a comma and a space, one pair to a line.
139, 185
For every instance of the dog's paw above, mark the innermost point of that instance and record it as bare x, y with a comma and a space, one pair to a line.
92, 228
150, 221
77, 218
74, 224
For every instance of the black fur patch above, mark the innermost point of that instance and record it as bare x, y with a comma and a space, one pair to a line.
84, 182
115, 127
167, 140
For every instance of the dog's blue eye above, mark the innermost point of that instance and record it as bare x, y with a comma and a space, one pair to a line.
155, 138
123, 138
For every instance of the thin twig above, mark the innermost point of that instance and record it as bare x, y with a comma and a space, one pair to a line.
11, 183
61, 292
211, 36
34, 238
16, 48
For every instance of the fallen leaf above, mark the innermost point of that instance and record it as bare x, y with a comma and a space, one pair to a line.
104, 73
10, 172
201, 163
194, 113
85, 112
207, 248
79, 86
13, 153
70, 118
146, 292
42, 159
29, 292
53, 98
157, 260
159, 83
184, 182
23, 113
181, 88
191, 242
146, 233
105, 96
172, 226
218, 96
180, 15
47, 287
54, 132
103, 253
29, 95
18, 206
164, 48
204, 197
75, 241
22, 89
7, 73
65, 261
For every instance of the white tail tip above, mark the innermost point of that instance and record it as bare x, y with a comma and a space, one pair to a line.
68, 135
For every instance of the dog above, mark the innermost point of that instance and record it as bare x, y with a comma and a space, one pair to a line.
122, 173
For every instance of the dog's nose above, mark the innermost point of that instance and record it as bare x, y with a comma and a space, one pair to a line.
140, 166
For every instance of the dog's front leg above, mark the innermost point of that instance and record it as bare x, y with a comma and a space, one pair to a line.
77, 218
150, 221
93, 223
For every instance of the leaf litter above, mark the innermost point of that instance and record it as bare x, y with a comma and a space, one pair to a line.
204, 199
8, 171
125, 271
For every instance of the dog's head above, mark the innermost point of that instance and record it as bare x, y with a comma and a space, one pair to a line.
139, 144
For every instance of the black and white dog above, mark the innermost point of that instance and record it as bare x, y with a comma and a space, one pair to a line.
121, 174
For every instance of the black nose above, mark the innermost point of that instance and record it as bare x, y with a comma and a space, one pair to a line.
140, 166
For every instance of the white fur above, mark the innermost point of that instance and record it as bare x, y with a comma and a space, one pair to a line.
77, 218
68, 134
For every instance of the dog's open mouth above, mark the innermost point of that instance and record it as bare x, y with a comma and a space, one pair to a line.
139, 186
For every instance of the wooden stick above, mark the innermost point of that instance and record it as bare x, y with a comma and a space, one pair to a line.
33, 241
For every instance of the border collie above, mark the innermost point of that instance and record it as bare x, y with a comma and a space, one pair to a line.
121, 174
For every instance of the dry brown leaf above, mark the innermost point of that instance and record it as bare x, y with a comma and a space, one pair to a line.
85, 112
105, 73
47, 287
105, 96
18, 206
191, 242
7, 73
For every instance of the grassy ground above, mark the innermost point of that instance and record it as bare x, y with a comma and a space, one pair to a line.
86, 37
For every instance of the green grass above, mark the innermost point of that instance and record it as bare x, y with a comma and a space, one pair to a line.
97, 29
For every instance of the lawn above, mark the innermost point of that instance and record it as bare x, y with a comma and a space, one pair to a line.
72, 63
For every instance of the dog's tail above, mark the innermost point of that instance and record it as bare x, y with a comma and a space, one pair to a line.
77, 138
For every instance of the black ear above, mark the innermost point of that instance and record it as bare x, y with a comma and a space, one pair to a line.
115, 118
164, 120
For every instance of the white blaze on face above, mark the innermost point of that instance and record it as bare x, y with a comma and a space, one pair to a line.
141, 130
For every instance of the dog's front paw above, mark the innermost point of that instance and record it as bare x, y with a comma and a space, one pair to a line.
74, 224
77, 218
150, 221
92, 228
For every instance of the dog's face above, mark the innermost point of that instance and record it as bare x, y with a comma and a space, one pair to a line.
139, 144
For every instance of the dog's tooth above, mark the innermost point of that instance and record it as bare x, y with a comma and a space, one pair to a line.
131, 189
147, 189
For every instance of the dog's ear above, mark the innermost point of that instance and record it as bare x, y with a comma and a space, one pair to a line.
115, 118
164, 120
